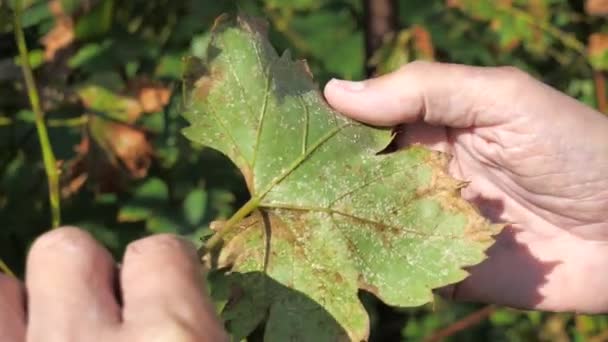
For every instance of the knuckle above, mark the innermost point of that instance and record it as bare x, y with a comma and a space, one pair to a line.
415, 65
159, 242
510, 81
511, 73
63, 238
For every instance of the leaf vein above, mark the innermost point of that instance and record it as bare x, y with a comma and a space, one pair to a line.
356, 218
261, 118
302, 158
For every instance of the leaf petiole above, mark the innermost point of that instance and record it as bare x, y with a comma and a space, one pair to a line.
230, 225
6, 270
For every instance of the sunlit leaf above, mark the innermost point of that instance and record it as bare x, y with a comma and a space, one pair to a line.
333, 216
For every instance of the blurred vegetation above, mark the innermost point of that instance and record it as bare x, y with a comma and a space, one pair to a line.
109, 76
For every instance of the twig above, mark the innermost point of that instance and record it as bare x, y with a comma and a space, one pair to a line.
380, 21
600, 90
6, 270
462, 324
48, 157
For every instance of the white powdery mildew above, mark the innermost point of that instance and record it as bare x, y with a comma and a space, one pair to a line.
342, 217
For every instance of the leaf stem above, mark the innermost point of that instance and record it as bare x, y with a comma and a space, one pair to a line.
230, 225
50, 165
6, 270
464, 323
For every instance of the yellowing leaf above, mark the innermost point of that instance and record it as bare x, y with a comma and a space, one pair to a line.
117, 107
329, 215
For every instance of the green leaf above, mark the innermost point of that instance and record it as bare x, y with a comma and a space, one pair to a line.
106, 102
332, 215
36, 58
36, 14
194, 207
95, 23
296, 4
148, 198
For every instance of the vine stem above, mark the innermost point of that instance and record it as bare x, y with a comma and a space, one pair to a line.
6, 270
462, 324
50, 164
230, 225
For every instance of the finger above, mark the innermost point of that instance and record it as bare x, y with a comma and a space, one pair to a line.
163, 293
70, 284
12, 309
437, 93
433, 137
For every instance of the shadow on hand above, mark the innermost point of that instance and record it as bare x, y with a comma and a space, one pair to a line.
511, 275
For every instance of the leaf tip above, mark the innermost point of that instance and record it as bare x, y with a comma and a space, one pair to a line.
253, 24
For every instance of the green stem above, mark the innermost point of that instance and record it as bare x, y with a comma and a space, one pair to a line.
50, 165
6, 270
68, 122
230, 225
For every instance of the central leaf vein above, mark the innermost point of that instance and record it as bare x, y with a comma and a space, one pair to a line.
296, 163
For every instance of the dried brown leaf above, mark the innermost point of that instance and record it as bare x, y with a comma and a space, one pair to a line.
596, 7
598, 44
61, 35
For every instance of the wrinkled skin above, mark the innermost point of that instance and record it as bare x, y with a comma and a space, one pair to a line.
73, 288
535, 159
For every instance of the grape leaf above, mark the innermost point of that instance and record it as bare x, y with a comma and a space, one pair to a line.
329, 215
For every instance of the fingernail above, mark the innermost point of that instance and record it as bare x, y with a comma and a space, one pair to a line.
348, 85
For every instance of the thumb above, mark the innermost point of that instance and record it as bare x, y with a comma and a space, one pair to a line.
440, 94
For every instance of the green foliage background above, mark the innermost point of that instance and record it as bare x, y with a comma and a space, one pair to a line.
121, 191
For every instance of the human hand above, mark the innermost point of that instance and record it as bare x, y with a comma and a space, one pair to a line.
535, 158
75, 293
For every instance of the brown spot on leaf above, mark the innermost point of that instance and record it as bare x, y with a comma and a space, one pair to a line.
202, 87
305, 68
204, 84
363, 284
253, 24
220, 21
